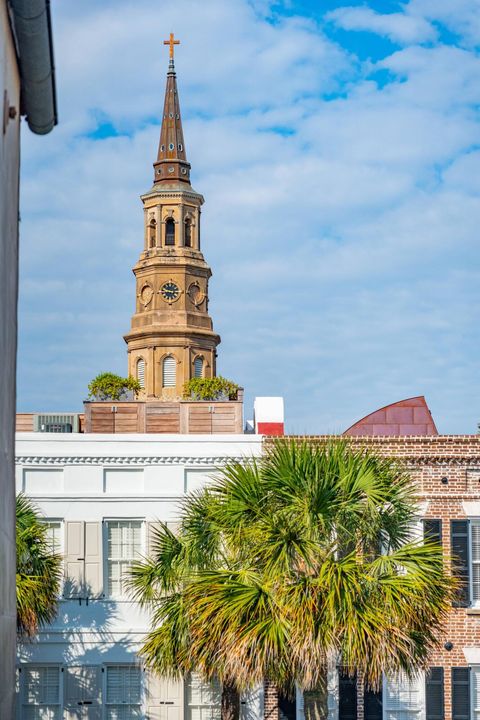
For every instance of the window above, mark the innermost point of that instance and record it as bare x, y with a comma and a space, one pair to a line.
141, 372
124, 544
53, 535
169, 372
475, 555
41, 693
123, 692
203, 699
170, 232
475, 676
402, 698
188, 233
198, 367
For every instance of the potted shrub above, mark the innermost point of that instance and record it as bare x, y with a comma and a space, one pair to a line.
108, 386
216, 388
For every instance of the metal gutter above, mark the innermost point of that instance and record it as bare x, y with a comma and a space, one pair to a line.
33, 31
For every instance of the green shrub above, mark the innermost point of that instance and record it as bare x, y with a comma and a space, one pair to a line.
217, 388
108, 386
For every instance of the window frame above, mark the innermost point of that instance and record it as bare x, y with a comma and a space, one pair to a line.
420, 680
23, 679
187, 706
141, 359
174, 361
105, 703
48, 521
474, 603
472, 692
106, 574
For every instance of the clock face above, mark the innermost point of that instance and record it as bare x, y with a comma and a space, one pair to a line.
170, 291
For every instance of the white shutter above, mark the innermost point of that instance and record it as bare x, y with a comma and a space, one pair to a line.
403, 698
141, 372
475, 539
74, 559
41, 693
124, 690
93, 559
169, 372
164, 698
198, 367
475, 692
83, 693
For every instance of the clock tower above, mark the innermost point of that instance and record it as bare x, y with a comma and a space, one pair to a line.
171, 338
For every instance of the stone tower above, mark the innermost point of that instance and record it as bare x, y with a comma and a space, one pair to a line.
171, 338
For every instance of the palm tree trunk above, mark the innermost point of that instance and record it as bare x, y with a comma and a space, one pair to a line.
270, 701
230, 702
316, 701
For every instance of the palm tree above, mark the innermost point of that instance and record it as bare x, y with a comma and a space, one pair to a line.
314, 563
158, 582
38, 570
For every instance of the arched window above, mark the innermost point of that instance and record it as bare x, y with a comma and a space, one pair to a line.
170, 232
188, 233
141, 372
198, 367
169, 372
152, 233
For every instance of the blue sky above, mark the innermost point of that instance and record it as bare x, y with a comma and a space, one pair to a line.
337, 145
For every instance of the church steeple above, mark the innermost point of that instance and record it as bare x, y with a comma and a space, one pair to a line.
171, 161
171, 338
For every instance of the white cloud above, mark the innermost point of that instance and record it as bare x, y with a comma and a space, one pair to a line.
399, 27
341, 227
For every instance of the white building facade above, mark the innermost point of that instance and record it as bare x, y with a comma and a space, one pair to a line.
101, 495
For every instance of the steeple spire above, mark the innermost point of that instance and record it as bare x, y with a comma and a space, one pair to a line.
171, 164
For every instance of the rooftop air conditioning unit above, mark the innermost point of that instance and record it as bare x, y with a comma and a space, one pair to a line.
54, 423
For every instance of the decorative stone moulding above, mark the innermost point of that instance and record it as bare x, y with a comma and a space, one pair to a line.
144, 460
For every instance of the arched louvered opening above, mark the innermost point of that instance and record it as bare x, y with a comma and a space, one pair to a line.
198, 367
141, 372
169, 372
170, 232
188, 233
152, 234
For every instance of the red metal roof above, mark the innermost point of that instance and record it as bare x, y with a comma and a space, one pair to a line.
406, 417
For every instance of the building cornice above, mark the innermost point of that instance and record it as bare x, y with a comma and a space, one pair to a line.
186, 460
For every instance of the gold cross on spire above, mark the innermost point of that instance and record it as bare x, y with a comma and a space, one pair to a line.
171, 42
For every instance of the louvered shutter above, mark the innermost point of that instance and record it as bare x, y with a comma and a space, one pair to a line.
460, 693
434, 694
460, 560
83, 693
141, 372
347, 697
432, 530
169, 372
475, 675
475, 540
198, 367
373, 704
93, 559
164, 698
74, 559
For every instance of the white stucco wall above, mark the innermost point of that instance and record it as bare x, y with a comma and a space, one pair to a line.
9, 169
87, 477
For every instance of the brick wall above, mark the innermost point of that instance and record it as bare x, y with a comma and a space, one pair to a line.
446, 470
